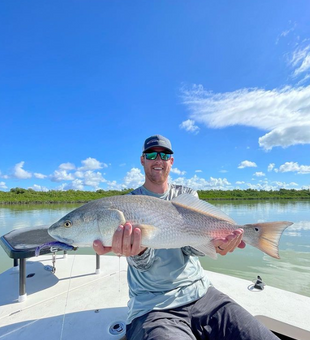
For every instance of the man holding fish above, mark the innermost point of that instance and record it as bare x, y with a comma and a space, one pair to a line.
170, 295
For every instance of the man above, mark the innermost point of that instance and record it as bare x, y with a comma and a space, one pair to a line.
170, 294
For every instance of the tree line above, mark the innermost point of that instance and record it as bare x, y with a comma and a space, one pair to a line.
250, 194
24, 196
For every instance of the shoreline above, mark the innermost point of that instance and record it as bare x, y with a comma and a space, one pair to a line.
26, 202
30, 196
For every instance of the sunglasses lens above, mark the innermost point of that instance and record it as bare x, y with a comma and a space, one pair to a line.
153, 155
165, 156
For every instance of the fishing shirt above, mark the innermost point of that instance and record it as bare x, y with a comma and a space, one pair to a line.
164, 278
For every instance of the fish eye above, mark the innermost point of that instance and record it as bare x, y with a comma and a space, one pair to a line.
67, 224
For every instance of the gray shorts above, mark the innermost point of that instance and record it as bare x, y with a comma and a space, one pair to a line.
214, 316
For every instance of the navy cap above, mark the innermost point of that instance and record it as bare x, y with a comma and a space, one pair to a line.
157, 140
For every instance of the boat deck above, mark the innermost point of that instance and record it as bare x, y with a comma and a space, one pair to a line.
75, 302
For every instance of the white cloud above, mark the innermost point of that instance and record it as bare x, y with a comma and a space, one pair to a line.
39, 176
134, 178
83, 176
3, 185
199, 183
38, 188
77, 184
79, 174
189, 126
61, 175
286, 136
19, 172
198, 171
294, 167
113, 185
275, 185
284, 185
259, 174
299, 226
62, 187
177, 171
283, 113
301, 60
93, 179
67, 166
286, 32
92, 164
304, 79
247, 164
4, 176
271, 167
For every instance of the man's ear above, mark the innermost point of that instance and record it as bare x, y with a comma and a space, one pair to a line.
142, 160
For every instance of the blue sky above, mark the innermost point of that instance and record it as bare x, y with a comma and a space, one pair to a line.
83, 83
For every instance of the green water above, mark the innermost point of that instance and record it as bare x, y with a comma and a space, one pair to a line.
291, 272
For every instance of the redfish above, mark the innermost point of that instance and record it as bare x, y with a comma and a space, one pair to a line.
183, 221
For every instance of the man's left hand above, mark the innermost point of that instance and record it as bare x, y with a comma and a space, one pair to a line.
229, 243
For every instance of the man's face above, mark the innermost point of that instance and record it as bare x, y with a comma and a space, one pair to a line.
157, 170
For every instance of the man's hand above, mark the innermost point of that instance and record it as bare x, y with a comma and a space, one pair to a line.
229, 243
126, 241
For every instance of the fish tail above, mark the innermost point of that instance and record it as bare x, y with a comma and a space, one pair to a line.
265, 236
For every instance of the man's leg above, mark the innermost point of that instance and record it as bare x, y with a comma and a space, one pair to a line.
216, 316
171, 324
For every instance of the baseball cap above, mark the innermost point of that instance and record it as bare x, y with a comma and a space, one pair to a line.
157, 140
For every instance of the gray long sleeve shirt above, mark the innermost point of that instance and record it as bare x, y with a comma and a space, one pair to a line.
164, 278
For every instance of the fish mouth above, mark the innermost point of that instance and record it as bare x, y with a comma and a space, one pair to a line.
53, 233
62, 239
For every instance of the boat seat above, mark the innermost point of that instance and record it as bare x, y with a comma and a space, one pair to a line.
20, 244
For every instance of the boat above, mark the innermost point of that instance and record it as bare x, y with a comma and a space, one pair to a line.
60, 295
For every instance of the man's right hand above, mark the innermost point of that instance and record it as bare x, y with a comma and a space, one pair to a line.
126, 241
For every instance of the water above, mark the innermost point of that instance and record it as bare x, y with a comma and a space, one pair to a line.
291, 272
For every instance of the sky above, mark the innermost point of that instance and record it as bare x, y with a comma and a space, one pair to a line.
84, 82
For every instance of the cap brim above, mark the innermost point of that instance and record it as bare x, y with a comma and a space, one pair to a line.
157, 146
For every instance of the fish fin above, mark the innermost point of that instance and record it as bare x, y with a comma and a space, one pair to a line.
207, 249
107, 223
191, 201
269, 234
148, 231
101, 203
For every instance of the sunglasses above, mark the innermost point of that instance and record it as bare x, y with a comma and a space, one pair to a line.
153, 155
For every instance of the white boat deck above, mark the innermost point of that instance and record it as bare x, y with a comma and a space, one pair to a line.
76, 303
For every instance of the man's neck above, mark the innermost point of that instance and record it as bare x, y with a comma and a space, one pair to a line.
156, 188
